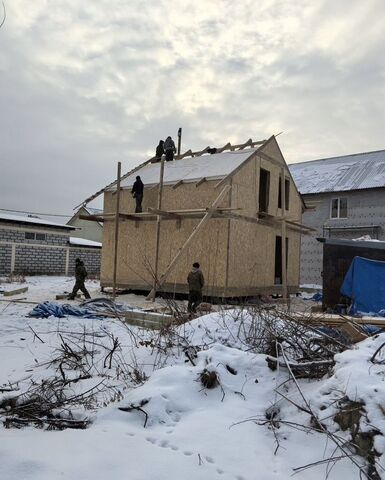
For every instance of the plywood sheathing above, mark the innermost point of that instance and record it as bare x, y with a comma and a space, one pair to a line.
137, 248
252, 247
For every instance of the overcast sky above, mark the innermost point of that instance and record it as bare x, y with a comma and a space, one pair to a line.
85, 84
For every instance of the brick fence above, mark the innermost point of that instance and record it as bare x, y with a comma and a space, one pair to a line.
48, 253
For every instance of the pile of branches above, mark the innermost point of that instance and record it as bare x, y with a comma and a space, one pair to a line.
309, 349
87, 370
46, 405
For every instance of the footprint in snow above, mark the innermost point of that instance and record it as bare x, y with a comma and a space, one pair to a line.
151, 440
209, 459
130, 434
188, 453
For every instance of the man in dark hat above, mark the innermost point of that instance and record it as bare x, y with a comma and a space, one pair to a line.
80, 276
196, 283
169, 149
159, 151
137, 193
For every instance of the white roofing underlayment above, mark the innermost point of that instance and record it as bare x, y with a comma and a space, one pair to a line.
84, 242
33, 220
189, 169
338, 174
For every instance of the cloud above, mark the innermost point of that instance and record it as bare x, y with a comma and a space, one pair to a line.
85, 84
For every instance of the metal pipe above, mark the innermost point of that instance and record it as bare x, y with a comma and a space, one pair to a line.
179, 139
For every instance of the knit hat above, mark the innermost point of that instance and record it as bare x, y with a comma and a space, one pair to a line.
196, 265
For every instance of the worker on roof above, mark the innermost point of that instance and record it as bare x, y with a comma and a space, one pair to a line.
159, 151
196, 281
80, 276
169, 148
137, 193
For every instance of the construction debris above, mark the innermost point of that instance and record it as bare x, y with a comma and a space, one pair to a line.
9, 293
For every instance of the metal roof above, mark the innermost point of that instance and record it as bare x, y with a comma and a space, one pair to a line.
375, 244
338, 174
5, 217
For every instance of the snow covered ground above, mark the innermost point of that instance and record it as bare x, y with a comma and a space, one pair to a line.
191, 432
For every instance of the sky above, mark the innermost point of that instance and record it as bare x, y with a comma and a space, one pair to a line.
87, 84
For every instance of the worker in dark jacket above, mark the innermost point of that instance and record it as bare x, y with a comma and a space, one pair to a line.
80, 276
169, 149
159, 151
137, 193
196, 283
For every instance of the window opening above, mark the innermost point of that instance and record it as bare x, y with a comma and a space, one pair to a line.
264, 188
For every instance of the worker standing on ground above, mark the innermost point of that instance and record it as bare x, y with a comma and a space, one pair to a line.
195, 282
80, 276
159, 151
137, 193
169, 148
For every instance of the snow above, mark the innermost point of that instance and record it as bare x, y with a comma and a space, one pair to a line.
33, 220
338, 174
191, 432
84, 242
214, 166
366, 238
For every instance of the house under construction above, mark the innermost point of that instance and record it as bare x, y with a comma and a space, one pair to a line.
227, 210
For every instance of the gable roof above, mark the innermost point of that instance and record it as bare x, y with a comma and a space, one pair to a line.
189, 153
339, 174
5, 217
88, 210
215, 166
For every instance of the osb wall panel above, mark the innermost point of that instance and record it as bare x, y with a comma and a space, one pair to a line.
295, 202
252, 246
136, 251
244, 188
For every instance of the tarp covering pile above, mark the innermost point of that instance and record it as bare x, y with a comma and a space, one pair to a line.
95, 308
364, 284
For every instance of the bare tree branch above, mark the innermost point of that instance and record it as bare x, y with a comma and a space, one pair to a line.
4, 14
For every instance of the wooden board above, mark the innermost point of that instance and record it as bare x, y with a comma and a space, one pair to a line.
9, 293
63, 296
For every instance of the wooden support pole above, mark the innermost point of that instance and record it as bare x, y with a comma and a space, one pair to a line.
211, 210
283, 242
157, 233
116, 237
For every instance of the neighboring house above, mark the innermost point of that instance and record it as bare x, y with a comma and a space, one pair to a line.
88, 230
346, 196
239, 248
34, 246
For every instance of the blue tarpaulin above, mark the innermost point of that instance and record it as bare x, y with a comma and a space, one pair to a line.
48, 309
95, 308
364, 284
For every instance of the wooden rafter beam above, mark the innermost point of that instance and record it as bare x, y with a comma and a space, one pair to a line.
199, 182
164, 213
246, 144
237, 216
225, 147
178, 184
